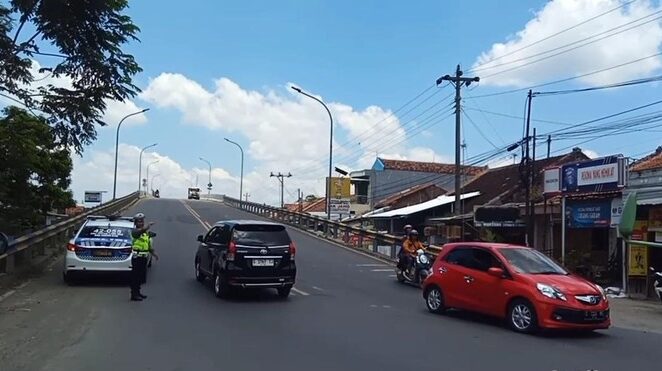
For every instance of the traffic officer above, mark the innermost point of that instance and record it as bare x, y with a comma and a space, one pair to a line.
142, 247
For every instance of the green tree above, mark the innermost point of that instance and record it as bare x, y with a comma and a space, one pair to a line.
80, 41
34, 171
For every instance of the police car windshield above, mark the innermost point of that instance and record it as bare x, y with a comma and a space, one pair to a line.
105, 232
261, 235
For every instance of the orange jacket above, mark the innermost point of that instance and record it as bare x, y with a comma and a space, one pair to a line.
411, 246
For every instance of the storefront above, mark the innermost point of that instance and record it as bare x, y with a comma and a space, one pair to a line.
591, 193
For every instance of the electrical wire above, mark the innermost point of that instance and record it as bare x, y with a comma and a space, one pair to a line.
565, 79
553, 35
570, 44
478, 129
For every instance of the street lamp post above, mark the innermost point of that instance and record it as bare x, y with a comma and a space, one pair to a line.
140, 164
328, 186
241, 179
148, 165
117, 143
208, 184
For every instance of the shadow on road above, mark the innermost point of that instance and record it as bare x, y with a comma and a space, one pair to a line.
101, 280
544, 334
238, 296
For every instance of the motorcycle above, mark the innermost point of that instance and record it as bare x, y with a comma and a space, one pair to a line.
421, 267
657, 283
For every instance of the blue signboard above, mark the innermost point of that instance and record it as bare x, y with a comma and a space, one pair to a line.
600, 175
588, 214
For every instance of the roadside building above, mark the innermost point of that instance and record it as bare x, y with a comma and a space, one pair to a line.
388, 177
645, 178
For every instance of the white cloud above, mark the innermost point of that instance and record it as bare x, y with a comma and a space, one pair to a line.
286, 132
558, 15
95, 172
590, 153
115, 110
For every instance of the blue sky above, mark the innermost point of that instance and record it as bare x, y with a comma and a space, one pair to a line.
355, 55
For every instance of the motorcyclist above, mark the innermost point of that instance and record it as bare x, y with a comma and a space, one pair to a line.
410, 246
401, 253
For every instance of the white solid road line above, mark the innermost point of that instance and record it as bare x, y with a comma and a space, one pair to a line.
196, 215
302, 293
6, 295
381, 270
371, 265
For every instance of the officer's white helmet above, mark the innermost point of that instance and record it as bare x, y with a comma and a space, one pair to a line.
139, 216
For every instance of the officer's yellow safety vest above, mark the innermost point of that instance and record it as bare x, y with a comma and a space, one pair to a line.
141, 244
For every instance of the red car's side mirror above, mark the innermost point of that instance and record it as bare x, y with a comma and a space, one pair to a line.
495, 272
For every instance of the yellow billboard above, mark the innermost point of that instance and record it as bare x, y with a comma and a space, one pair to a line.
638, 260
340, 187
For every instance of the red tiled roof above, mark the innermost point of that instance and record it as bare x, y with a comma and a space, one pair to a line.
503, 185
318, 205
652, 161
429, 167
396, 197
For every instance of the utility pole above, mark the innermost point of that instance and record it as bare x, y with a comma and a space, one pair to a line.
458, 81
281, 178
549, 145
527, 170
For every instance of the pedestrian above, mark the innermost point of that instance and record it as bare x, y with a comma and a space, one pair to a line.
142, 248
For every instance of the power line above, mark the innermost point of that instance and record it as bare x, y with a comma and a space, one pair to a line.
570, 44
519, 118
479, 130
553, 35
602, 87
565, 79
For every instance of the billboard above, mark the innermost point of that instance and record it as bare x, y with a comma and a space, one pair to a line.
339, 206
552, 180
340, 187
589, 214
92, 196
600, 175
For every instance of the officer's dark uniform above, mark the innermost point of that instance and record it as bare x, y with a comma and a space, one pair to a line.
141, 250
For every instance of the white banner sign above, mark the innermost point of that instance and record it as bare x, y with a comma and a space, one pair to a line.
616, 211
552, 180
92, 196
600, 174
339, 206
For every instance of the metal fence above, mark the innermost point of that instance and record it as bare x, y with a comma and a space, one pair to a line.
24, 250
379, 244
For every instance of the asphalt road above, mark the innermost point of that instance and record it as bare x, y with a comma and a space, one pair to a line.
347, 313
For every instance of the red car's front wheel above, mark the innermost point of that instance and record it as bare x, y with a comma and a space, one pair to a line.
522, 316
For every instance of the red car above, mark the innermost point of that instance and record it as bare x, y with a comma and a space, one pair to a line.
520, 284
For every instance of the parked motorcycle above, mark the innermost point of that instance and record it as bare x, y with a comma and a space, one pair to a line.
421, 269
657, 282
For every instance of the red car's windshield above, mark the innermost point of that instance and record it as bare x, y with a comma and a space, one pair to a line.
530, 261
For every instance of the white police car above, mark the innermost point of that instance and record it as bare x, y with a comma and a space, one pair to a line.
103, 244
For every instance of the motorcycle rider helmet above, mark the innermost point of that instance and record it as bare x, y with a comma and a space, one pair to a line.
139, 216
408, 226
413, 232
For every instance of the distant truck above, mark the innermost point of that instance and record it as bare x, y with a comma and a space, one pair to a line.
194, 193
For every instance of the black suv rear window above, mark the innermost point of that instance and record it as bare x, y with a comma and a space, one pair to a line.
263, 235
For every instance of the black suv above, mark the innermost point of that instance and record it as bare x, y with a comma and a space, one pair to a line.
246, 254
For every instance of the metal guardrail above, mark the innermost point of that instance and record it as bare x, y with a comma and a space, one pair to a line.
380, 244
25, 249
